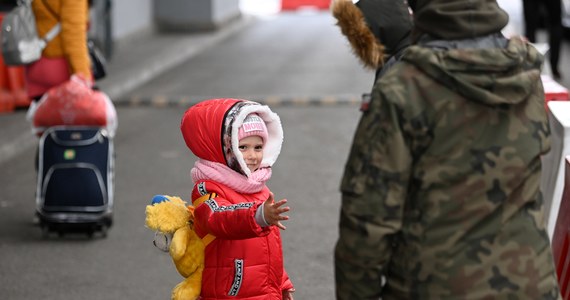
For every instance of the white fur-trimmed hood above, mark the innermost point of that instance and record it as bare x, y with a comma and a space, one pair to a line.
272, 147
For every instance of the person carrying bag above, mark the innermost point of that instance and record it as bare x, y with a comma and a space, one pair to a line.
66, 54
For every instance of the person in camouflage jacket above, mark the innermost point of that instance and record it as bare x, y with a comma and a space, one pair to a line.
440, 193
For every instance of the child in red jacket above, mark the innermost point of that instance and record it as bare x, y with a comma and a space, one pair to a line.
237, 142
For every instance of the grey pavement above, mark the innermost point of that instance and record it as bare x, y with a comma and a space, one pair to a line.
135, 61
150, 156
142, 57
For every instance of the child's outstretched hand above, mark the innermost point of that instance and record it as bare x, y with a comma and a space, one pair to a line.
272, 211
288, 294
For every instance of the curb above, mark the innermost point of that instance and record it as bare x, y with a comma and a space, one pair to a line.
130, 73
27, 140
160, 101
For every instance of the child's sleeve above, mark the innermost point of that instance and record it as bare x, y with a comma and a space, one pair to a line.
223, 219
287, 284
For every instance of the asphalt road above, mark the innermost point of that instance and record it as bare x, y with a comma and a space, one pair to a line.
312, 61
152, 159
291, 57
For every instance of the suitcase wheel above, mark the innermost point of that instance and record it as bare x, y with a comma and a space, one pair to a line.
62, 229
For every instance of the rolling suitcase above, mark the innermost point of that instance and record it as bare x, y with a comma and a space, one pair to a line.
75, 180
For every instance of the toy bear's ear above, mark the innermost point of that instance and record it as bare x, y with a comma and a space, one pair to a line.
159, 199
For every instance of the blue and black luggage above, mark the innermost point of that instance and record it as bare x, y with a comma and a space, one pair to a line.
75, 180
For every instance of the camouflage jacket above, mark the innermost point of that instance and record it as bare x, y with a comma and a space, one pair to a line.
440, 195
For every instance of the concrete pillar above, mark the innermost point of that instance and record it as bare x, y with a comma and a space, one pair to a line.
194, 15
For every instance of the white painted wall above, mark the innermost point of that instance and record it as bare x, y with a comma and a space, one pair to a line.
516, 18
222, 10
130, 16
553, 170
260, 7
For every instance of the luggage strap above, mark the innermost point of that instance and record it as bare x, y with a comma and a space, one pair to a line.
208, 238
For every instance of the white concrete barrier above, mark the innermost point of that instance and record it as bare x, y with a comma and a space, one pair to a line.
552, 181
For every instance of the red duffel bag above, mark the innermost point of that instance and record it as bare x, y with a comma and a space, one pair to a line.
73, 102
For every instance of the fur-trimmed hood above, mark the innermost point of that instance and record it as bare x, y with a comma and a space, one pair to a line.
210, 130
376, 29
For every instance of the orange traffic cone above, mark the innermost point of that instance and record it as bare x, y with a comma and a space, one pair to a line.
16, 85
7, 103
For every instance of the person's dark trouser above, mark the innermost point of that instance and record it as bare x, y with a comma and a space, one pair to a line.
531, 10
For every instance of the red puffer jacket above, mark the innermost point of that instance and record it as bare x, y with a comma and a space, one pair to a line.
245, 260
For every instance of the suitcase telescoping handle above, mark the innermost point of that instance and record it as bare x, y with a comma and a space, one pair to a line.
75, 136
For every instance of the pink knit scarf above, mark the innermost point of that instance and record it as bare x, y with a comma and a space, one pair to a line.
208, 170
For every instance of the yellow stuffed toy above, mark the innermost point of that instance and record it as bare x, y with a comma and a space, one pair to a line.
171, 216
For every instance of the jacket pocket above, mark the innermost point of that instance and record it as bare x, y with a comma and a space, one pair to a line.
355, 175
238, 278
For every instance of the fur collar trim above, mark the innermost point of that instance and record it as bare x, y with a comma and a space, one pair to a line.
353, 25
234, 119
